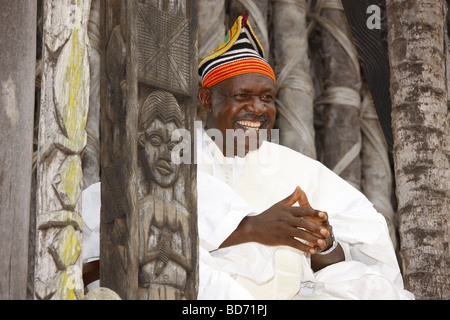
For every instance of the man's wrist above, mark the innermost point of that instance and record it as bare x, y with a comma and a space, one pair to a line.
330, 248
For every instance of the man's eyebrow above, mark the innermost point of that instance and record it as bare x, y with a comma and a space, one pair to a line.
264, 90
268, 90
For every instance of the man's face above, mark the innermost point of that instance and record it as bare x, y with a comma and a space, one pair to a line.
245, 104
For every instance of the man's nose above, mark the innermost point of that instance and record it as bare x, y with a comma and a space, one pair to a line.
256, 105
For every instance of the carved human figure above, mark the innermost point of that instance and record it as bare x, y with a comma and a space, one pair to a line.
164, 249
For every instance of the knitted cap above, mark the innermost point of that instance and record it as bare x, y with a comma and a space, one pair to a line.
239, 53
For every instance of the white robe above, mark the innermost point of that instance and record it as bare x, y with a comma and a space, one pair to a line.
231, 188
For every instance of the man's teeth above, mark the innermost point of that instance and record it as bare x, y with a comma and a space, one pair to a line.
250, 124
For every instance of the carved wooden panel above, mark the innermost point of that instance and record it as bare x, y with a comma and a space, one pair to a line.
62, 138
149, 219
163, 48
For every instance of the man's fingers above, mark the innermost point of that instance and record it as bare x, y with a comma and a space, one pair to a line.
306, 212
300, 245
317, 229
312, 239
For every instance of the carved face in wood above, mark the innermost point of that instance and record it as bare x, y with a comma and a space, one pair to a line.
160, 117
245, 102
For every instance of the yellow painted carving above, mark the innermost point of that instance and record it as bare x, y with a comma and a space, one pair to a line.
69, 285
70, 180
75, 90
68, 246
74, 93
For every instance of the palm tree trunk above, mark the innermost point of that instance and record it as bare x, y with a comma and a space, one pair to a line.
421, 142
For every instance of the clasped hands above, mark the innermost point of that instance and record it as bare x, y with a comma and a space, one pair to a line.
283, 223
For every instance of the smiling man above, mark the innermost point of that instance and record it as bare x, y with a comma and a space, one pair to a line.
238, 90
295, 232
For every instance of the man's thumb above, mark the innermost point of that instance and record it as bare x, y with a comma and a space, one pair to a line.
303, 201
293, 198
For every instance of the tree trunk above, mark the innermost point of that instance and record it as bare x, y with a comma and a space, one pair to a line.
342, 84
421, 143
62, 138
292, 66
376, 175
18, 43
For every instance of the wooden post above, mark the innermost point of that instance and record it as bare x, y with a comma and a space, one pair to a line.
17, 65
62, 138
148, 233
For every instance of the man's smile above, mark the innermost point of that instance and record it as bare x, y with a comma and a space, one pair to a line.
248, 121
250, 125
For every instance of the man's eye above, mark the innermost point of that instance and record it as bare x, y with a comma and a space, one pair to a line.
241, 96
266, 98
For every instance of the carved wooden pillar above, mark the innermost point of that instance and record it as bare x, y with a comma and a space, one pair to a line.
18, 46
148, 242
62, 138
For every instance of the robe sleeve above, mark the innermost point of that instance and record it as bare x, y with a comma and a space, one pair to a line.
220, 210
215, 284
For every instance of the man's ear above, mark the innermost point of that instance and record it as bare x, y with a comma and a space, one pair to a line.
204, 96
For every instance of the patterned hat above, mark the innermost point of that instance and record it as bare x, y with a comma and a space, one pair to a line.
239, 53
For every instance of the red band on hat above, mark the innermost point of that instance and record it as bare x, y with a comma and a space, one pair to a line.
235, 68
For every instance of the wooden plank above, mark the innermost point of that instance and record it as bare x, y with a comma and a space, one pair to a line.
18, 42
